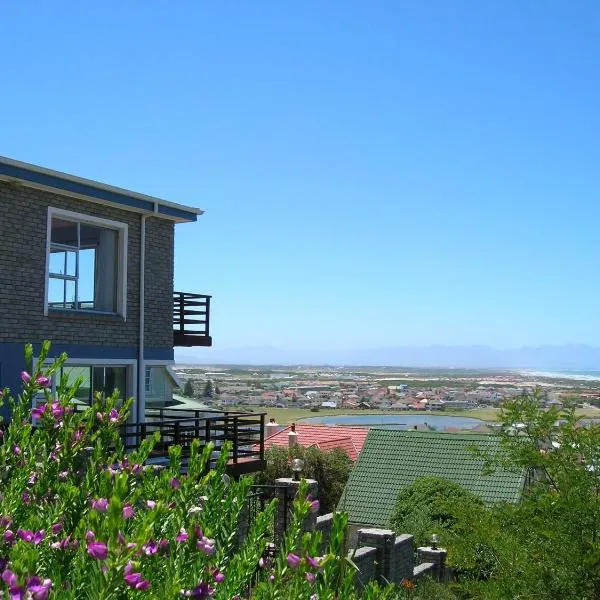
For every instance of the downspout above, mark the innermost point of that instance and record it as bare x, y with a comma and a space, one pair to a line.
141, 386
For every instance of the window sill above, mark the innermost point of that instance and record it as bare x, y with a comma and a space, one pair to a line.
84, 314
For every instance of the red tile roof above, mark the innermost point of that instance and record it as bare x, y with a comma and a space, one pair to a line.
324, 437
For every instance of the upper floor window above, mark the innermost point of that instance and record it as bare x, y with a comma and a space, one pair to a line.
87, 263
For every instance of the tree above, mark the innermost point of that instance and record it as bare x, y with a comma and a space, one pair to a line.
330, 468
217, 390
548, 545
188, 389
428, 506
208, 389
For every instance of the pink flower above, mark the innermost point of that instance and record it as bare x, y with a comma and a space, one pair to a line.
207, 546
293, 560
38, 411
182, 536
42, 381
310, 577
16, 450
175, 483
63, 475
151, 504
128, 511
100, 505
98, 550
25, 377
314, 506
90, 536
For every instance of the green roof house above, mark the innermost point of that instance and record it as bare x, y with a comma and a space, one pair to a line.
391, 460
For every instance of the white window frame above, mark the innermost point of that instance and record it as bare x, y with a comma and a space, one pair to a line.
121, 228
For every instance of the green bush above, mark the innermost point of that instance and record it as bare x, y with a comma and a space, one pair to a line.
330, 468
429, 506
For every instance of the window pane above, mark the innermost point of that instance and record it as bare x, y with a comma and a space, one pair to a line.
71, 263
70, 300
85, 290
57, 262
84, 392
107, 379
106, 273
56, 293
64, 232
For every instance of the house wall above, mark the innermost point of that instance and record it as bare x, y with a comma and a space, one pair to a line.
23, 231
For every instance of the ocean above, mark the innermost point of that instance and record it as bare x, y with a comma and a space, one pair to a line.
566, 374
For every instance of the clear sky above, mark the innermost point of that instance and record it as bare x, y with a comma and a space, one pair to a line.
373, 173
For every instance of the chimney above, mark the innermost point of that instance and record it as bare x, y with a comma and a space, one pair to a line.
271, 428
292, 436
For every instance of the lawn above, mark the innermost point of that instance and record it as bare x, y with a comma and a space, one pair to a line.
284, 416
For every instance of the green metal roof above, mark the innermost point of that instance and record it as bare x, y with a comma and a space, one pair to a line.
391, 460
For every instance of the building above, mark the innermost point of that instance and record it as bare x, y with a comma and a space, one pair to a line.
90, 267
392, 460
324, 437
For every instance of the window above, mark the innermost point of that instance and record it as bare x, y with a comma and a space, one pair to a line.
97, 379
148, 380
86, 263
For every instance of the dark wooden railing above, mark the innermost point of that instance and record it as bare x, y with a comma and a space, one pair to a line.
245, 431
191, 319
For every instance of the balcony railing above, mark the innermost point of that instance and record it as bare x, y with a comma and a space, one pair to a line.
245, 431
191, 319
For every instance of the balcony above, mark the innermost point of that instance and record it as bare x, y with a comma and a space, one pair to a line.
191, 320
245, 431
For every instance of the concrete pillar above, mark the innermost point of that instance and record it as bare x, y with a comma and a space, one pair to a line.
437, 556
383, 541
287, 488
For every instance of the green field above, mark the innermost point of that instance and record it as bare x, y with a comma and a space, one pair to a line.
284, 416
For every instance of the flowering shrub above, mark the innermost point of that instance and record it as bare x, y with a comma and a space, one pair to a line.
80, 518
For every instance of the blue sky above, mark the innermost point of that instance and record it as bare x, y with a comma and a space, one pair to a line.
373, 173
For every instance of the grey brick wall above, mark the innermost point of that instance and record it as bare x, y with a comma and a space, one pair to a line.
23, 223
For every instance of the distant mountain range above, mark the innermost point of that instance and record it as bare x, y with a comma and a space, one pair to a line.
567, 357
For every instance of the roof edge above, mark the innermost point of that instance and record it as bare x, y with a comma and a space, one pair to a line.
95, 191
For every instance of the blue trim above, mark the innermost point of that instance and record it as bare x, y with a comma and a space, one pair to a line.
15, 349
92, 192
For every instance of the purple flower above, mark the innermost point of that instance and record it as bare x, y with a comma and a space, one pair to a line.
313, 562
38, 411
202, 590
63, 475
6, 521
293, 560
42, 381
175, 483
150, 548
134, 580
25, 534
26, 498
182, 536
113, 415
163, 545
38, 537
90, 536
128, 511
9, 578
56, 528
207, 546
314, 506
16, 450
9, 536
150, 504
58, 411
310, 577
100, 505
218, 576
38, 589
98, 550
25, 377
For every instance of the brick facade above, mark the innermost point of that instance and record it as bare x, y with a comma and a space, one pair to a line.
23, 227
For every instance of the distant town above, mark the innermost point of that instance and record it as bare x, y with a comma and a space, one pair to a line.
288, 393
